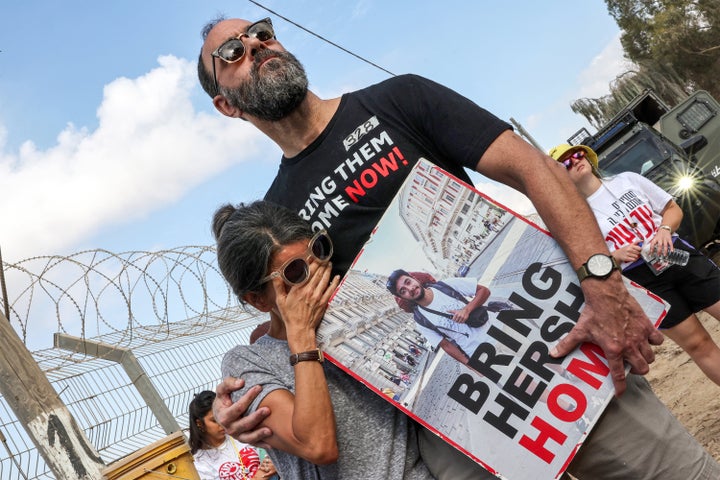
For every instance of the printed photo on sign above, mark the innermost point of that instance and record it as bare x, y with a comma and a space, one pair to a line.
479, 374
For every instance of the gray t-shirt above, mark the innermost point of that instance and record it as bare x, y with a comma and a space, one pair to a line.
375, 440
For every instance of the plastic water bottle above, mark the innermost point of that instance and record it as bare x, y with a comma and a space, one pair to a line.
678, 257
660, 263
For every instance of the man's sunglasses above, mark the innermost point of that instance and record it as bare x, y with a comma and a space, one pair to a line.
233, 50
568, 162
296, 271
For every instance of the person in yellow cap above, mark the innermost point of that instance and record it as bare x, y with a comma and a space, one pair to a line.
632, 211
566, 151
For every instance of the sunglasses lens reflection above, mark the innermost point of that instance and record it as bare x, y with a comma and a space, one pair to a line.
263, 31
322, 248
232, 50
568, 162
296, 271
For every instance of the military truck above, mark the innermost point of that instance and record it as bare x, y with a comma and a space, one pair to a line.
677, 148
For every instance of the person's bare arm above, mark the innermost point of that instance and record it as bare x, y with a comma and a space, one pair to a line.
452, 350
611, 319
231, 415
303, 423
455, 352
482, 293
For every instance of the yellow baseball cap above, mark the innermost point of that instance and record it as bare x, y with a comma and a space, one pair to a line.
564, 148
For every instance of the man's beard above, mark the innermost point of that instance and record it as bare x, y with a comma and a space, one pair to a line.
276, 93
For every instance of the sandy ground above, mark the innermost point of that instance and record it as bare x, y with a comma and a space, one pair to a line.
690, 395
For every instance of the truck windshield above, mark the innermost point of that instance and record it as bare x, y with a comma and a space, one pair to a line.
640, 155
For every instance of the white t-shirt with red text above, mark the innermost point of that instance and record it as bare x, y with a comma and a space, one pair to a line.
232, 460
627, 207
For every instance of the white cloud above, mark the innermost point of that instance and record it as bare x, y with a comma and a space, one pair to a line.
556, 122
508, 197
150, 147
608, 64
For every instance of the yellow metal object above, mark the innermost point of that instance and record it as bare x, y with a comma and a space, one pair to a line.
168, 458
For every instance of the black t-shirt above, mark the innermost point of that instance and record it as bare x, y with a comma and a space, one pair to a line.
347, 177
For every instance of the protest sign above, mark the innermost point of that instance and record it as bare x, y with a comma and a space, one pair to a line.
491, 391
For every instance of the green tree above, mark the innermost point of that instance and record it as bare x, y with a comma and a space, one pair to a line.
675, 46
663, 79
681, 34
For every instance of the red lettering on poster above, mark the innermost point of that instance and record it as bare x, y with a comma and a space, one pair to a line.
583, 370
545, 432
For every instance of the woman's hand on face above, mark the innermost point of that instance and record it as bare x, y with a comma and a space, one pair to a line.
302, 307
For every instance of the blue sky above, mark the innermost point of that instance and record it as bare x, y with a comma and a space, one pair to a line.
107, 140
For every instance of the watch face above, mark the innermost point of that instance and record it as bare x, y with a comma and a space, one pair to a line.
599, 265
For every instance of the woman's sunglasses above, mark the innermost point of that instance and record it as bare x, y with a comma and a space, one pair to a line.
296, 271
233, 50
568, 162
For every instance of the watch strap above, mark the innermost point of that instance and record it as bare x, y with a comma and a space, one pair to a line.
311, 355
582, 273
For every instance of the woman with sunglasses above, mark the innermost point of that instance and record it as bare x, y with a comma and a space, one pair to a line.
324, 423
632, 211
